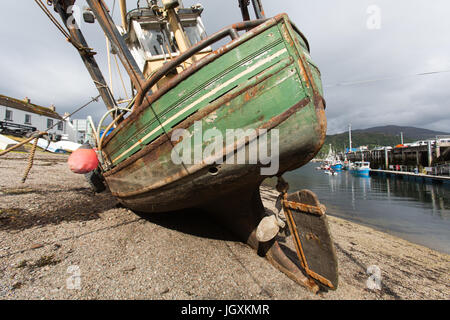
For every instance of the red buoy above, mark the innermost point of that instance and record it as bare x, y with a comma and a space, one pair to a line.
83, 160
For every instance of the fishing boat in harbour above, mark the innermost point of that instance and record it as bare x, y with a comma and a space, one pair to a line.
360, 169
337, 165
332, 162
263, 81
346, 164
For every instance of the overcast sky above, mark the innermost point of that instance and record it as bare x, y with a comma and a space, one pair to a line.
348, 42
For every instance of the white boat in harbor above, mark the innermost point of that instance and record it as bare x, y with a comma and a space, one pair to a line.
331, 163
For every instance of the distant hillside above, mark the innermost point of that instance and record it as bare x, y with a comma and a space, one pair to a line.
408, 132
377, 136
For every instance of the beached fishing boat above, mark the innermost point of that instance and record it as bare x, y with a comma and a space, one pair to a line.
262, 82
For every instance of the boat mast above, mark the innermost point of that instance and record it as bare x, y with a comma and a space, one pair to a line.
350, 136
86, 53
175, 25
117, 42
257, 5
259, 11
123, 14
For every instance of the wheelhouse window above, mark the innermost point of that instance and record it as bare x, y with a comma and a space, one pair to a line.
28, 119
8, 115
194, 31
49, 123
154, 40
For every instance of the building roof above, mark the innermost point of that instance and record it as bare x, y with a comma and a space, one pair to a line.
28, 107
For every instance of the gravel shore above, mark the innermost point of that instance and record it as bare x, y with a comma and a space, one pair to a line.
60, 241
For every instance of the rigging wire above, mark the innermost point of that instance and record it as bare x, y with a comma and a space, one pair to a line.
47, 12
121, 78
52, 19
77, 110
108, 52
352, 83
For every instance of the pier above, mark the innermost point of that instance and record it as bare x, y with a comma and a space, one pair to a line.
412, 175
424, 158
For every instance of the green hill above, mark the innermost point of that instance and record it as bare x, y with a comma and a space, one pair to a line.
408, 132
377, 137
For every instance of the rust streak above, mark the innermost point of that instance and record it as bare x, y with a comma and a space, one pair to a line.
225, 100
275, 121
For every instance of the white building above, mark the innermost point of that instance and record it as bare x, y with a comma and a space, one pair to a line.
77, 130
23, 115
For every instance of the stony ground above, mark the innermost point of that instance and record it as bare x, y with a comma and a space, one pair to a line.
60, 241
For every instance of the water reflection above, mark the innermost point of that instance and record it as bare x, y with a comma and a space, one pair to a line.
433, 196
417, 211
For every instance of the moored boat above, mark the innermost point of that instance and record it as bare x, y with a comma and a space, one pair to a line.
360, 168
337, 165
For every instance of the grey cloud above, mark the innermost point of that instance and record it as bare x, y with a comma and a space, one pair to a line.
37, 62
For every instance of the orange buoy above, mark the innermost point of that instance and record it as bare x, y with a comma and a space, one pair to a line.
83, 160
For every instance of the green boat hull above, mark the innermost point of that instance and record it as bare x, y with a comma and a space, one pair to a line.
267, 82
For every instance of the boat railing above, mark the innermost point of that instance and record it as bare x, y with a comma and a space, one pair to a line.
230, 31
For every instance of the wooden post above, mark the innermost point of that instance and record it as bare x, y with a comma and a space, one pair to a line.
438, 149
386, 159
430, 154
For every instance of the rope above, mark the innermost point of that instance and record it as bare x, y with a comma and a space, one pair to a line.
30, 161
36, 136
52, 19
22, 143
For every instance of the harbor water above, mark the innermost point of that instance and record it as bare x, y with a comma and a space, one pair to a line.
416, 211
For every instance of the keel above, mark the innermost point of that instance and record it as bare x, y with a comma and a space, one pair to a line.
241, 211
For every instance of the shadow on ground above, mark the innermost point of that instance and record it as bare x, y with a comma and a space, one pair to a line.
57, 206
190, 221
